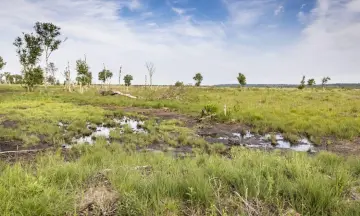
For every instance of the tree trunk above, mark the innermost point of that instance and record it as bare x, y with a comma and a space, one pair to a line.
46, 68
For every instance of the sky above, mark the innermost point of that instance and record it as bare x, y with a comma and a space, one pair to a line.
270, 41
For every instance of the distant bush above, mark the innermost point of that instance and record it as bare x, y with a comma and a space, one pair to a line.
302, 83
178, 84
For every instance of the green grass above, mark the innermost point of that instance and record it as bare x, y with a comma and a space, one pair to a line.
312, 112
205, 185
212, 181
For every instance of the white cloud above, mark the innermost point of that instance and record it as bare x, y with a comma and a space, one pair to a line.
246, 13
328, 44
133, 4
302, 18
179, 11
280, 9
354, 6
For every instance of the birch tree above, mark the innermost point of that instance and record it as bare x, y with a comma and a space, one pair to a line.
48, 34
29, 50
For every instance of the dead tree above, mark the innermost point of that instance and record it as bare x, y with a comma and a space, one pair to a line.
66, 74
120, 75
151, 69
145, 80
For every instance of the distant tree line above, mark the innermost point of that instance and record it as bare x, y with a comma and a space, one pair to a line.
311, 82
30, 47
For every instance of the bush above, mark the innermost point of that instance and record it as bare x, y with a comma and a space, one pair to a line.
209, 109
178, 84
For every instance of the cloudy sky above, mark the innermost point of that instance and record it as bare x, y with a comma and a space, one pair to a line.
270, 41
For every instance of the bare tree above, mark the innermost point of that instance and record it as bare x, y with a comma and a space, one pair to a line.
145, 80
66, 74
324, 81
151, 69
120, 75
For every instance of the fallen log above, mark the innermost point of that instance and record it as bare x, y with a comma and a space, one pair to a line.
111, 92
21, 151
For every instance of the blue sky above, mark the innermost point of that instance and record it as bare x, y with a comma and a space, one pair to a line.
270, 41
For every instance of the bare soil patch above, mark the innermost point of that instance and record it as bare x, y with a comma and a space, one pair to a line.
99, 198
15, 145
9, 124
344, 147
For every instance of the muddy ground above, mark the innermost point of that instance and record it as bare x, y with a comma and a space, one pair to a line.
211, 130
228, 134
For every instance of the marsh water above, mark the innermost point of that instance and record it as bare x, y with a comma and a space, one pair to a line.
247, 139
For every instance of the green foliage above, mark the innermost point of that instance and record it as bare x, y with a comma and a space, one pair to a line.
302, 83
241, 79
292, 138
11, 79
48, 34
179, 84
33, 77
84, 76
17, 79
273, 140
52, 71
311, 82
127, 79
7, 76
29, 51
2, 63
324, 81
209, 109
104, 75
51, 79
198, 78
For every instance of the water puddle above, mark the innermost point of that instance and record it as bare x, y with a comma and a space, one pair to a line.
101, 131
104, 131
256, 141
135, 125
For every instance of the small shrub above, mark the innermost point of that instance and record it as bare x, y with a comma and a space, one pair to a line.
218, 148
109, 123
31, 140
77, 126
208, 110
115, 134
272, 139
86, 132
127, 129
292, 138
179, 84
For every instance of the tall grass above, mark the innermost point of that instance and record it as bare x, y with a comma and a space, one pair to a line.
267, 183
